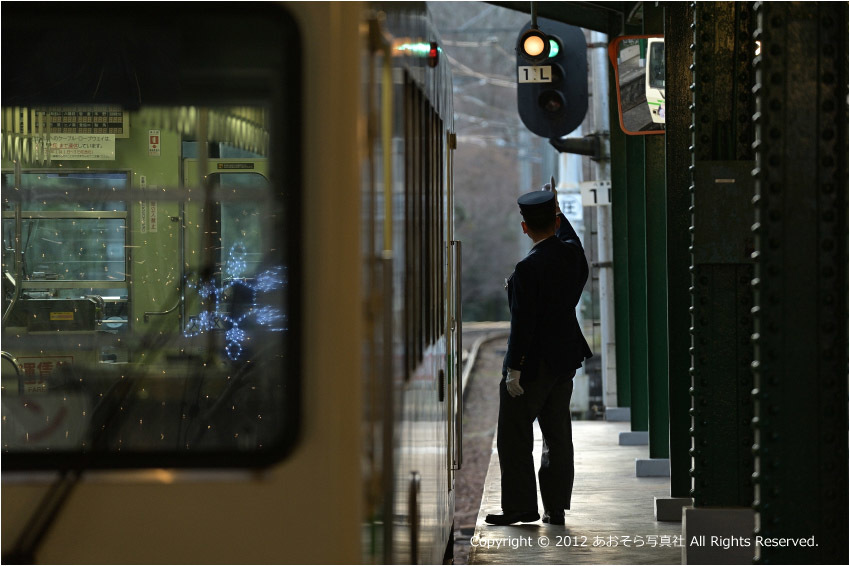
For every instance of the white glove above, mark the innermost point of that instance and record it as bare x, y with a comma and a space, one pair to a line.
550, 186
512, 383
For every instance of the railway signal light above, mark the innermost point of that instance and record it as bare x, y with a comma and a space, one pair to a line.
552, 78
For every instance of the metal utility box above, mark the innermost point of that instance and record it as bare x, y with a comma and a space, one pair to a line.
44, 315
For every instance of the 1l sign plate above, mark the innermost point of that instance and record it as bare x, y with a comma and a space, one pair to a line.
534, 74
595, 193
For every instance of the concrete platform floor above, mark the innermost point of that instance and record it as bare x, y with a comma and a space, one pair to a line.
612, 516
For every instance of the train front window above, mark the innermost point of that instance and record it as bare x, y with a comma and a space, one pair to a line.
656, 65
147, 309
150, 249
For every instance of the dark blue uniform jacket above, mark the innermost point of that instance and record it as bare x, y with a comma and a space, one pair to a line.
543, 292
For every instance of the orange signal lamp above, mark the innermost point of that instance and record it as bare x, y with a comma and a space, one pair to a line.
534, 46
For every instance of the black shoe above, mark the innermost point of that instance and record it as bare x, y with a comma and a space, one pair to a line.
553, 517
509, 518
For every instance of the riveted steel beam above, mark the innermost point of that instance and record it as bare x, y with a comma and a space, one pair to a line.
656, 269
721, 266
800, 285
677, 39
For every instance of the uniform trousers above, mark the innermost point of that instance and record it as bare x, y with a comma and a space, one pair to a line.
547, 399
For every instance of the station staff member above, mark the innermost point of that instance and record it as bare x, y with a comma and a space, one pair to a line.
545, 348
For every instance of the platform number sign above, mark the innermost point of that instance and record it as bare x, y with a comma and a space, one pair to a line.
154, 146
596, 193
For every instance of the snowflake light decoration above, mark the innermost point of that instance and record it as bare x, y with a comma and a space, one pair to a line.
266, 316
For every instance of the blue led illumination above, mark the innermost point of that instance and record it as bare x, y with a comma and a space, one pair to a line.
236, 264
218, 319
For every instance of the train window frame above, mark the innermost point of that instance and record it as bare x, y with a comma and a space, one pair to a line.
72, 215
196, 73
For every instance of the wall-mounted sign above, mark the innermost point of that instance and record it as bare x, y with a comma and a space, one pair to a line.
232, 165
82, 147
152, 216
570, 204
154, 147
596, 193
81, 119
37, 370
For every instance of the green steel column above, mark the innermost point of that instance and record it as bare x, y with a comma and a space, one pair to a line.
677, 38
638, 331
656, 270
624, 158
722, 244
801, 281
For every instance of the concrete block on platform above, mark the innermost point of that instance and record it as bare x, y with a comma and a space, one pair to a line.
670, 508
634, 438
618, 414
652, 468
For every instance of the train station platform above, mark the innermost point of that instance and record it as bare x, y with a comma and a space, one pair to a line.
611, 520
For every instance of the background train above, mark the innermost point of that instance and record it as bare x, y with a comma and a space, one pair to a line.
231, 326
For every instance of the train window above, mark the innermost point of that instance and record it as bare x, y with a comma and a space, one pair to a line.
425, 256
150, 251
84, 249
242, 220
70, 192
69, 230
655, 73
411, 228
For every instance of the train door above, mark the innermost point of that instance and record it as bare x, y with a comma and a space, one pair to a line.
223, 231
156, 233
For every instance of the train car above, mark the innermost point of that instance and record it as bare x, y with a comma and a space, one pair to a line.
231, 325
655, 76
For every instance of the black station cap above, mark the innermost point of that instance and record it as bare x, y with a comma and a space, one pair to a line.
537, 204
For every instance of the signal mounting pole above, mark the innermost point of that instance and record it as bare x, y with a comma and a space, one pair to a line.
605, 264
